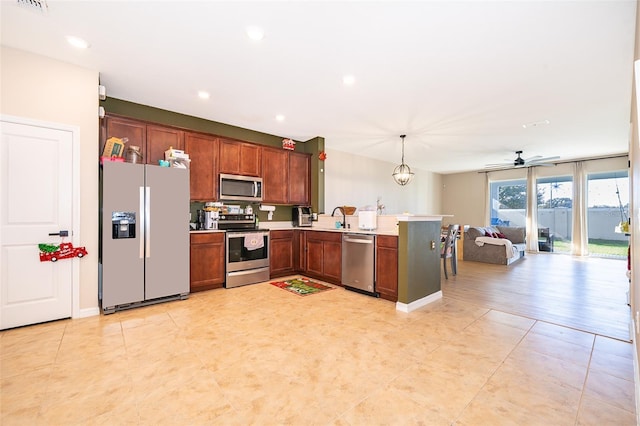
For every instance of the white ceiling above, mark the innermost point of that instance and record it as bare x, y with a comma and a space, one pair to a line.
458, 78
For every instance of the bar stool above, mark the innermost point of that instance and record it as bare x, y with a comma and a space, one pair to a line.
448, 250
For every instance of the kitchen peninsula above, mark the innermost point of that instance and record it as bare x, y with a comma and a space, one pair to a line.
415, 251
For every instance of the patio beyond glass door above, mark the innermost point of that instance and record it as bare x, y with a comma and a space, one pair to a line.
608, 206
508, 202
555, 213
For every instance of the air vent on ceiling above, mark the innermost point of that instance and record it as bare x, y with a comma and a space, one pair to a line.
35, 5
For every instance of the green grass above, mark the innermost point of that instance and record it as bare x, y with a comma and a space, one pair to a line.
596, 247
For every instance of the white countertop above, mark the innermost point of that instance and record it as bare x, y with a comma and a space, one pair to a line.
386, 224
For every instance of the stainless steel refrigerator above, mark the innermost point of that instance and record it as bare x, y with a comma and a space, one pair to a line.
144, 235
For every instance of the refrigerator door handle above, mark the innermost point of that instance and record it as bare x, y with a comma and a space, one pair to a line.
147, 221
142, 222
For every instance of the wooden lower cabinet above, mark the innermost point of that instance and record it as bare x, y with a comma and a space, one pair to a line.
281, 253
323, 256
207, 261
387, 267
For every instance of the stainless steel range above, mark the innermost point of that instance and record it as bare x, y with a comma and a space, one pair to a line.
247, 250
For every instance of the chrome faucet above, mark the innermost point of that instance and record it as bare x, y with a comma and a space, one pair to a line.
344, 217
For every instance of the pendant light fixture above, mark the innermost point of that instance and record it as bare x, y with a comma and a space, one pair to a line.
402, 174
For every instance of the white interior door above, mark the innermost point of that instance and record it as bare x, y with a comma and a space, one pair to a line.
36, 199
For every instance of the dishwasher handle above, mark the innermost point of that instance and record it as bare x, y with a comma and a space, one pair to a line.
356, 240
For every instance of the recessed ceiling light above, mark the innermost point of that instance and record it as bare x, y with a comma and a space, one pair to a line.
203, 95
536, 124
255, 33
77, 42
348, 80
280, 117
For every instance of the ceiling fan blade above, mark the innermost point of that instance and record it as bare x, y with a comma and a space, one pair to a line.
494, 165
543, 160
534, 158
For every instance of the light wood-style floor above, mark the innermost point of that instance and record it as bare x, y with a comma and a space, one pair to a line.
259, 355
583, 293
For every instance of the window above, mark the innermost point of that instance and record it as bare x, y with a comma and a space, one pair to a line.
508, 202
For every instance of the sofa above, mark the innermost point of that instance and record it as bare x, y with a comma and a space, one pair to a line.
501, 245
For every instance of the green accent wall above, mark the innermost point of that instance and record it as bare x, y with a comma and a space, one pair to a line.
418, 262
169, 118
314, 147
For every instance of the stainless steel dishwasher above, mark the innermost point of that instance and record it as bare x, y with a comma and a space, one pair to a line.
358, 263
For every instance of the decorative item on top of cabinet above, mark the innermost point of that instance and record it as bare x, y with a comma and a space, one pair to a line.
207, 261
240, 158
281, 253
134, 130
387, 267
203, 152
153, 139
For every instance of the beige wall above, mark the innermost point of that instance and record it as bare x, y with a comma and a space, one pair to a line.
464, 197
39, 88
358, 181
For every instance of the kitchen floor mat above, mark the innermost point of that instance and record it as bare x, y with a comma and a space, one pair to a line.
301, 286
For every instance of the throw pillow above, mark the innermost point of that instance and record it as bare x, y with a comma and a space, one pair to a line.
501, 235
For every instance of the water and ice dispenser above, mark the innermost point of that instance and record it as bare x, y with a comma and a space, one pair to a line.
123, 225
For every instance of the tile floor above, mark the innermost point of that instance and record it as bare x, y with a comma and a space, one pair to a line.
261, 355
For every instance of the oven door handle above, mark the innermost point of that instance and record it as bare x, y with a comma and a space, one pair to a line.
246, 234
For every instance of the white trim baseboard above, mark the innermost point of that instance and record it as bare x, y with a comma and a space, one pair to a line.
416, 304
87, 312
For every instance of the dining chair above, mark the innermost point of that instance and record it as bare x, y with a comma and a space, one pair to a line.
448, 250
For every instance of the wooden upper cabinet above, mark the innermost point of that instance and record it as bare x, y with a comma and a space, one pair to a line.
203, 152
275, 175
152, 139
160, 139
133, 130
240, 158
299, 178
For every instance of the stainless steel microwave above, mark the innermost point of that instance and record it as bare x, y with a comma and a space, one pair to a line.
242, 188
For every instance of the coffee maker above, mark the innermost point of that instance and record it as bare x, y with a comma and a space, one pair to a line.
301, 216
200, 221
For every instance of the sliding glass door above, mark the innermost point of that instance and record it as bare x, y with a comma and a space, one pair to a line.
555, 211
608, 206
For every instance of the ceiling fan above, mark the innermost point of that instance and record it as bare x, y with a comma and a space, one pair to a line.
537, 160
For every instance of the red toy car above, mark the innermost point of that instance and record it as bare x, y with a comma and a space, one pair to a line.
63, 251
